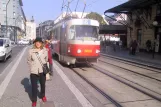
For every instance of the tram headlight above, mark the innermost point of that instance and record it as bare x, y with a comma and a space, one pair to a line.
97, 51
68, 49
79, 51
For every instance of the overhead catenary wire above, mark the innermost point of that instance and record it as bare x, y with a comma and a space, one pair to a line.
93, 2
76, 5
84, 7
67, 6
62, 6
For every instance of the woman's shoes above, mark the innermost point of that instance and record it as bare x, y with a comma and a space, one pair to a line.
33, 104
44, 99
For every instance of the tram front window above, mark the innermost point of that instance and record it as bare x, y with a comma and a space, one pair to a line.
82, 32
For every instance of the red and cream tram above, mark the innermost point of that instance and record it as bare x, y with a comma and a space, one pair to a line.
76, 40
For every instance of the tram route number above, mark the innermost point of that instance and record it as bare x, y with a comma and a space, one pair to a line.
87, 22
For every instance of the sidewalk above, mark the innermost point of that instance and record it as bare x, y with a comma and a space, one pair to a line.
140, 57
15, 89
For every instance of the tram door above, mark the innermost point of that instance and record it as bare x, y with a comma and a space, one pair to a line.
63, 43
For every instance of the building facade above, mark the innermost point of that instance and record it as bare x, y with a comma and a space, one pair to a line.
119, 18
30, 30
12, 19
38, 31
144, 22
41, 30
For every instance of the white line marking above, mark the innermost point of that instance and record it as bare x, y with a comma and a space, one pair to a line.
10, 64
6, 81
80, 97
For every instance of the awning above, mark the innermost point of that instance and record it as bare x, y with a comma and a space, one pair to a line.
113, 29
132, 5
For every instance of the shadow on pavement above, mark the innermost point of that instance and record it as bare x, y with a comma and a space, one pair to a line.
28, 89
26, 83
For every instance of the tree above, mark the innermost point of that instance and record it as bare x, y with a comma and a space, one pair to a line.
96, 16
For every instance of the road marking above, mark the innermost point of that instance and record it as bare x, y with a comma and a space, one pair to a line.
7, 79
10, 64
80, 97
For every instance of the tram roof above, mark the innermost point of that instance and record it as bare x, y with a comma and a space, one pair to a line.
76, 22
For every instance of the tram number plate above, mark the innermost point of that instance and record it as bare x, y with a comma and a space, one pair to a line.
88, 51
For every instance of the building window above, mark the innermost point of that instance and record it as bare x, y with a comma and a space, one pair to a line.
4, 5
139, 35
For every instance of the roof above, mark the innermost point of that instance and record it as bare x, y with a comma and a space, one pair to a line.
132, 5
112, 29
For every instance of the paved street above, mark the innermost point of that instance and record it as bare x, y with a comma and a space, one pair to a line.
15, 89
103, 53
15, 51
67, 89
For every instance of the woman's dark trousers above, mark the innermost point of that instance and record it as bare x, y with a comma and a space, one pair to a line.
34, 83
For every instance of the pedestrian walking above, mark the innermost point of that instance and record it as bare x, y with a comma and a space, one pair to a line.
134, 47
130, 50
37, 56
114, 46
120, 44
48, 47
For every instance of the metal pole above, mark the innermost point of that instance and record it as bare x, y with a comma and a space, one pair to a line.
6, 18
153, 55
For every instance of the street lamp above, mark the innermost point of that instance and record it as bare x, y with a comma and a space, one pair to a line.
6, 17
155, 23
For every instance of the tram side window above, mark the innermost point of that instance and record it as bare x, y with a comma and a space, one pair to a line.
72, 33
56, 33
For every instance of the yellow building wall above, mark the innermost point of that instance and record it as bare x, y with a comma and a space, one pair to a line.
147, 34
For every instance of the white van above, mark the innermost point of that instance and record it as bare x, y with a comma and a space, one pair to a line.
5, 48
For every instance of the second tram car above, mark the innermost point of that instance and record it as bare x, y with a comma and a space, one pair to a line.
76, 41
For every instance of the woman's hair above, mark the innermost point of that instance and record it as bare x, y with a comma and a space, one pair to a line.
34, 46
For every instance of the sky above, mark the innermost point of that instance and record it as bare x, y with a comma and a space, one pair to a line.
43, 10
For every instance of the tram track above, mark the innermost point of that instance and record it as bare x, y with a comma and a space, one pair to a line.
128, 70
113, 101
134, 63
158, 71
144, 90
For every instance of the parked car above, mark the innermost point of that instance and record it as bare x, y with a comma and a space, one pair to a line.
24, 42
13, 42
5, 49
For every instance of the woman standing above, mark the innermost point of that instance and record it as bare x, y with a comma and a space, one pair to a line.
47, 43
37, 53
